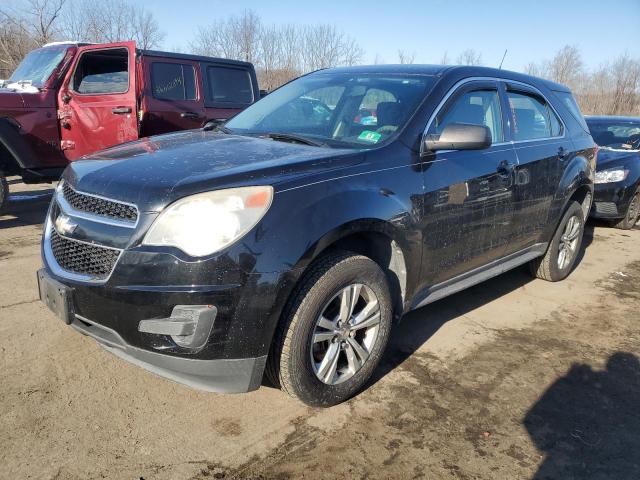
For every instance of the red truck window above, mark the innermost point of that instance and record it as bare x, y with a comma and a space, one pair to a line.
102, 72
229, 85
173, 81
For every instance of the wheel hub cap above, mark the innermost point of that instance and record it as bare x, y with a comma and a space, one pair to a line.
345, 334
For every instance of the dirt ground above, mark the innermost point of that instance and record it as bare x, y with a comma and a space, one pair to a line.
514, 378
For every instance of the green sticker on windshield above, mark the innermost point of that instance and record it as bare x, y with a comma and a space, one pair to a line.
369, 136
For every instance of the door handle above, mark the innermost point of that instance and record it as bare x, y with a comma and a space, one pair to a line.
189, 115
505, 168
121, 110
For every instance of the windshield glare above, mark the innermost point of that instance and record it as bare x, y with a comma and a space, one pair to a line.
38, 65
344, 110
618, 135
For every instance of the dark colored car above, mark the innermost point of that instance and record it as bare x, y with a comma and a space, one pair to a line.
209, 257
66, 100
617, 189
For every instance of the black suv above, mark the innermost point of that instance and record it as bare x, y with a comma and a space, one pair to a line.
289, 239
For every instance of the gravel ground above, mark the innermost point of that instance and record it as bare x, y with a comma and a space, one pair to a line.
513, 378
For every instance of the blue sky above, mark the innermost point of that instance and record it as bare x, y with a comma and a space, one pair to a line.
530, 30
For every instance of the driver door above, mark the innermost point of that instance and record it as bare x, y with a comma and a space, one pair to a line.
97, 101
468, 193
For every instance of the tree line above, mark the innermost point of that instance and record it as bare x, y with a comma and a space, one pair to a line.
281, 52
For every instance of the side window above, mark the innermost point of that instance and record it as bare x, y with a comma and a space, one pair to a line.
229, 85
532, 118
478, 107
173, 81
102, 71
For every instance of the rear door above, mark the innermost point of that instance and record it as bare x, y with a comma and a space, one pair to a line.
97, 100
542, 149
469, 193
172, 96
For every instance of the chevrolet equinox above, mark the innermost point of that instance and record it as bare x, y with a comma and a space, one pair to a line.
285, 242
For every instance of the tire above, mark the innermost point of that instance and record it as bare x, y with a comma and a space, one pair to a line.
4, 193
633, 214
553, 266
300, 366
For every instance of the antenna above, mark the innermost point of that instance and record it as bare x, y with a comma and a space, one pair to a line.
502, 61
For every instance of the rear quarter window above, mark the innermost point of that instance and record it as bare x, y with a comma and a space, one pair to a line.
229, 85
570, 102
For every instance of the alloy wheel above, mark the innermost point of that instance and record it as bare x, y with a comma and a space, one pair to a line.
569, 242
345, 334
633, 215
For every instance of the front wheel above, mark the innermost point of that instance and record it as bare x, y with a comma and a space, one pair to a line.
633, 213
4, 193
564, 247
333, 332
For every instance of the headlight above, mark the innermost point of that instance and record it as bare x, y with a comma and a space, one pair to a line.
205, 223
610, 176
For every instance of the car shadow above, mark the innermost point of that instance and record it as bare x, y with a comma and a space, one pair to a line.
26, 208
587, 422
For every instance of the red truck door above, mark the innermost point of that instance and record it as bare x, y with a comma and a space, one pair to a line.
97, 100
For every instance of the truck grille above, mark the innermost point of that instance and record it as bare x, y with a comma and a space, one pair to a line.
99, 206
83, 258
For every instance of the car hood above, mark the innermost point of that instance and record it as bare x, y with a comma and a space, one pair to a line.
155, 171
613, 158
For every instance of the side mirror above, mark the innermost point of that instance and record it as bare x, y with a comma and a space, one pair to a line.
264, 93
460, 136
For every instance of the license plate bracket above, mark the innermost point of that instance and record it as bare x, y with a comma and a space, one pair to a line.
56, 296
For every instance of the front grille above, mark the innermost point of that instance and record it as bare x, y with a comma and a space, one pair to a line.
99, 206
83, 258
606, 208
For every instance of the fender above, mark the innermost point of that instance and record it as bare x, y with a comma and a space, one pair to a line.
20, 151
578, 173
327, 219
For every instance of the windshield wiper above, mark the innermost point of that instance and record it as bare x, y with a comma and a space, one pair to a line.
289, 137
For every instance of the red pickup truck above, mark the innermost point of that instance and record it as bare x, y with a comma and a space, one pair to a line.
66, 100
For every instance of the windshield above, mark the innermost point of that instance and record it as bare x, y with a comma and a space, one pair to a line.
337, 109
623, 135
36, 68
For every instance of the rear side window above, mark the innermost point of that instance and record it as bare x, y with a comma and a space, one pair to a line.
173, 81
570, 102
229, 85
102, 71
478, 107
532, 118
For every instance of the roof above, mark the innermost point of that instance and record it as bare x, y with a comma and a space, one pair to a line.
441, 70
611, 118
194, 58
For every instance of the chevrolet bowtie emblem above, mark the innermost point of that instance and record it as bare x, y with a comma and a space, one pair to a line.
64, 225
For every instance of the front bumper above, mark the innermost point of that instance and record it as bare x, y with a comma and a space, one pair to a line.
611, 200
221, 375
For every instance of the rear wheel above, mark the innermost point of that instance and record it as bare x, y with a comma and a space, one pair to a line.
633, 213
4, 193
334, 331
564, 248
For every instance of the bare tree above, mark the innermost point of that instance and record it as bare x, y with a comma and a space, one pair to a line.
237, 37
469, 57
324, 46
444, 60
111, 21
406, 58
566, 66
